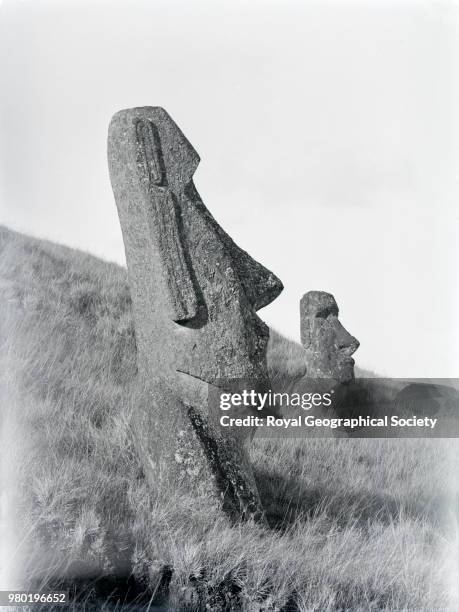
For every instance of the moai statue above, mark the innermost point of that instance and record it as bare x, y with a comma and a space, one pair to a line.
195, 295
327, 343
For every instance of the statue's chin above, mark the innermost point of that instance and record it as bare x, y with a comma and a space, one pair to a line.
345, 371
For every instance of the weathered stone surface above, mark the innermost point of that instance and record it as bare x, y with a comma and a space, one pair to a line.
327, 343
195, 294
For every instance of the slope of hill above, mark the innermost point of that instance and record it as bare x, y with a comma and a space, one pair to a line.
355, 524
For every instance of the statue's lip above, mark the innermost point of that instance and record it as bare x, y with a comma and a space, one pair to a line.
187, 373
209, 384
347, 351
203, 381
194, 376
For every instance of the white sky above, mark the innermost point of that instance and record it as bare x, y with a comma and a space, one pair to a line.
327, 131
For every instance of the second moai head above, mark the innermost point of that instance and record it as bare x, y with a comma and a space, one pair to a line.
327, 343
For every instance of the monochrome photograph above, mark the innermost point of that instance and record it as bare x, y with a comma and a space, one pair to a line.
229, 365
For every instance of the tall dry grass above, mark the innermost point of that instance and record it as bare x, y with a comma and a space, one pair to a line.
355, 524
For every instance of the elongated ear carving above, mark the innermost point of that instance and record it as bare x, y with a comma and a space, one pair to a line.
164, 219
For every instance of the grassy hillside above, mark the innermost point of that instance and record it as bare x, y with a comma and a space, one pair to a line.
355, 524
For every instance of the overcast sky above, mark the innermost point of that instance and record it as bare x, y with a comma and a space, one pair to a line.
327, 132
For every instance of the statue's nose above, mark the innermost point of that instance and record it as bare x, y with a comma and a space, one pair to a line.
346, 343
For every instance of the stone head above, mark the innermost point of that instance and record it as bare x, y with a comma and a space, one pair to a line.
328, 344
195, 292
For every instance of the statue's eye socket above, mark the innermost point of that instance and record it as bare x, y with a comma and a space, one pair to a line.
326, 312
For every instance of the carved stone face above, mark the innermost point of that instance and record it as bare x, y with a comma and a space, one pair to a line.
328, 344
195, 295
196, 292
226, 338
